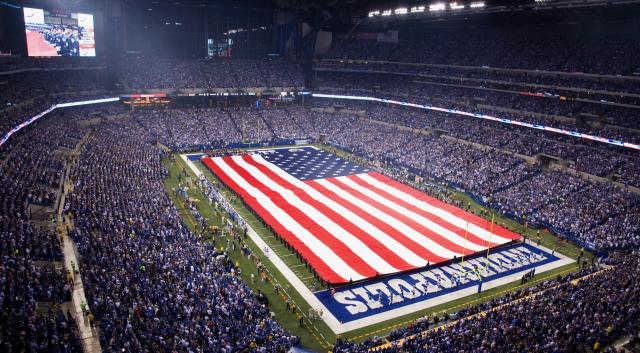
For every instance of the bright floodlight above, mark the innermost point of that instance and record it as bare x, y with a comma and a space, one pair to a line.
417, 9
374, 13
386, 13
437, 7
401, 11
456, 6
475, 5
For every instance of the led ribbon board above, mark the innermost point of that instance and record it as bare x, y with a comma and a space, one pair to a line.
52, 108
486, 117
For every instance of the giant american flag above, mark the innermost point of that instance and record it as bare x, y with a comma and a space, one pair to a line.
347, 222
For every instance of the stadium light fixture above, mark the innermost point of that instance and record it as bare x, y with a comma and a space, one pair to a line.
456, 6
476, 5
437, 6
416, 9
401, 11
374, 13
386, 13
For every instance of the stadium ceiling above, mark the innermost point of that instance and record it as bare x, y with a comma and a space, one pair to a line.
311, 11
213, 4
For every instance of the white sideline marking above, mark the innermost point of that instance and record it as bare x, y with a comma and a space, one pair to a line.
306, 294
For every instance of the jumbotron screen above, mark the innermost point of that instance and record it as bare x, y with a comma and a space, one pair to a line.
59, 34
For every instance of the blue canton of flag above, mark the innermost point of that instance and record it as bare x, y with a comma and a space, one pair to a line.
309, 163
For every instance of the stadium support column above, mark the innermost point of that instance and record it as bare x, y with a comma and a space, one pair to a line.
308, 49
116, 25
205, 19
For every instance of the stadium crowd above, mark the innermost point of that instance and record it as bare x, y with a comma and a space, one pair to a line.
534, 106
591, 157
152, 284
611, 88
137, 294
18, 63
155, 73
558, 47
21, 87
30, 281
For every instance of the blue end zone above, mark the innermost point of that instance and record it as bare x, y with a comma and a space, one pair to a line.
361, 300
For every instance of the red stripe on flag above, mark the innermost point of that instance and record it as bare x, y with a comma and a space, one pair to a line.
372, 243
470, 237
346, 254
384, 227
419, 228
476, 220
321, 267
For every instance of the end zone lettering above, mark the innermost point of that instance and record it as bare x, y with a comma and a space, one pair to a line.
361, 300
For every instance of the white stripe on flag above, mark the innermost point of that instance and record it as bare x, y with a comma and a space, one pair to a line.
345, 236
391, 243
438, 212
330, 258
436, 228
424, 241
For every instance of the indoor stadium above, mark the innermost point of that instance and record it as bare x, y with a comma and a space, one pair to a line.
320, 176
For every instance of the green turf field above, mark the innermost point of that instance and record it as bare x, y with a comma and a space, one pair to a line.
315, 335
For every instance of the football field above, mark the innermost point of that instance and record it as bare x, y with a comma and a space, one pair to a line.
356, 257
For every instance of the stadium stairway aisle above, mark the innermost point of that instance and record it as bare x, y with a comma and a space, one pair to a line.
298, 350
623, 343
89, 336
